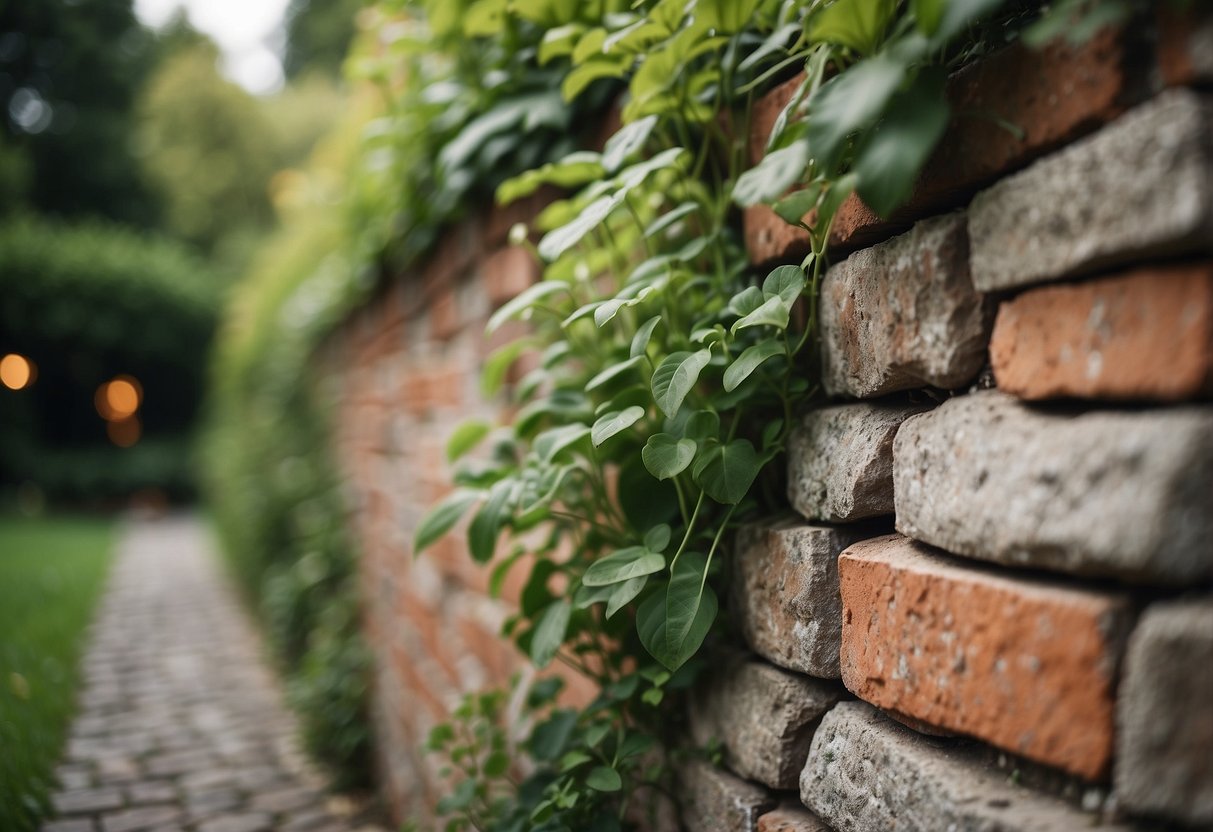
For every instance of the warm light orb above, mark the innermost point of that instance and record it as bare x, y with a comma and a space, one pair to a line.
118, 398
124, 432
16, 371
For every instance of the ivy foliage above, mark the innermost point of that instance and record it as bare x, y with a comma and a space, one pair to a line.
669, 373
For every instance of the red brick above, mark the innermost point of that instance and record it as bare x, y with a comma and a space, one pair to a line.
1054, 96
1147, 334
1185, 44
506, 272
1024, 664
443, 314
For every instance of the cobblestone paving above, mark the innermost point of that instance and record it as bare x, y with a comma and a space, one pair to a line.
181, 724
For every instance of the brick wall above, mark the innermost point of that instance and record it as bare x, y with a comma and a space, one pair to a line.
990, 604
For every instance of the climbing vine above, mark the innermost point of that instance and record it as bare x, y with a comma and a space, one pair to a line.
668, 374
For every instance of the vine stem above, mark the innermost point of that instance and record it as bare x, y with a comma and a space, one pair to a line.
716, 542
690, 528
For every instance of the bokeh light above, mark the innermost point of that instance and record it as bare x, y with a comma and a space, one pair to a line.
118, 398
17, 371
124, 432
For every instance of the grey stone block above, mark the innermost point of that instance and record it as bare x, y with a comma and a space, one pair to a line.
1115, 494
840, 460
1165, 714
867, 773
763, 716
715, 801
784, 592
1140, 187
904, 314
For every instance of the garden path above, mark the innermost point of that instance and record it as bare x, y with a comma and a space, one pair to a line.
181, 722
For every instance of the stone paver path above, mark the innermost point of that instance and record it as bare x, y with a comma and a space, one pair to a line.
181, 724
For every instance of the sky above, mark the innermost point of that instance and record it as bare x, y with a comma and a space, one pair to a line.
247, 31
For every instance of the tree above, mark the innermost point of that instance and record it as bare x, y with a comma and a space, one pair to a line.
207, 146
318, 35
69, 73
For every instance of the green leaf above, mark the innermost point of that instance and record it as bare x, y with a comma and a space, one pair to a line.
746, 301
524, 300
771, 178
675, 377
604, 779
749, 361
640, 341
623, 594
667, 456
773, 312
785, 281
928, 14
551, 442
726, 16
851, 101
587, 596
701, 425
684, 596
892, 156
442, 517
657, 538
466, 436
613, 372
669, 218
487, 524
623, 565
589, 72
577, 168
627, 141
560, 240
726, 472
855, 24
492, 376
794, 208
549, 632
651, 626
614, 422
559, 41
550, 737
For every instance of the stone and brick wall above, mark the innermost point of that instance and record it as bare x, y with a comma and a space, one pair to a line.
990, 604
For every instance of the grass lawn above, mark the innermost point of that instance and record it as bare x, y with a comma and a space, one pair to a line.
51, 571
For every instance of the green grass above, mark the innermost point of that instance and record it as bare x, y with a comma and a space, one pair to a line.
51, 571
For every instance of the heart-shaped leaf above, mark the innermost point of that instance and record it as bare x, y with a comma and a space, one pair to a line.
726, 472
770, 179
604, 779
785, 281
651, 626
667, 456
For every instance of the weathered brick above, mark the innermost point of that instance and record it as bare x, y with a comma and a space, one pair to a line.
715, 801
840, 460
763, 716
1024, 664
1164, 762
1141, 187
1052, 96
1147, 334
790, 817
866, 773
904, 314
784, 593
1120, 494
